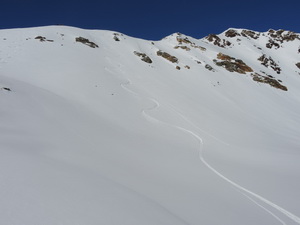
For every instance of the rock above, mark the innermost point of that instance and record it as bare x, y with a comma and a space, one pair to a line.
209, 67
218, 41
86, 42
282, 35
298, 65
183, 40
268, 80
232, 64
183, 47
231, 33
178, 67
199, 47
6, 89
251, 34
116, 38
224, 57
40, 38
167, 56
269, 62
143, 57
272, 43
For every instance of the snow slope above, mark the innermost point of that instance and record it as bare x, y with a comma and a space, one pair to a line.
92, 134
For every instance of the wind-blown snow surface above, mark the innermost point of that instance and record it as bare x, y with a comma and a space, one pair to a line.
94, 136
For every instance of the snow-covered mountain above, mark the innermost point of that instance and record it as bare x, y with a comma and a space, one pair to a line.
100, 128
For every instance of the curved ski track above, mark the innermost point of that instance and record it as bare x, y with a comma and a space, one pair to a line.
247, 193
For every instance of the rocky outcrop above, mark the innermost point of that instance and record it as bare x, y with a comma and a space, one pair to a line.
216, 40
143, 57
5, 89
209, 67
268, 80
116, 36
269, 62
231, 33
42, 39
186, 41
298, 65
250, 34
199, 47
276, 38
182, 40
86, 42
167, 56
272, 44
280, 36
232, 64
182, 47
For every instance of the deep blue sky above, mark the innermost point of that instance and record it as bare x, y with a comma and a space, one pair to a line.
154, 19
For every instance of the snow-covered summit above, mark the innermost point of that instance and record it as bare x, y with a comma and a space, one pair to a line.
98, 127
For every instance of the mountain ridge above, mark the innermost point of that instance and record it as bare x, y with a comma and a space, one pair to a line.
101, 128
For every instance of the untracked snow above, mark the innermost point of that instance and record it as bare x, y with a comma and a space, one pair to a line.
93, 132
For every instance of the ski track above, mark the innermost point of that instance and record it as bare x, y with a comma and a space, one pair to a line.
264, 208
240, 188
123, 85
91, 145
192, 124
